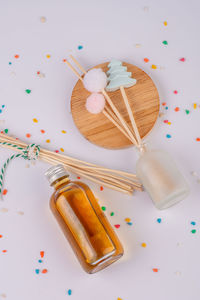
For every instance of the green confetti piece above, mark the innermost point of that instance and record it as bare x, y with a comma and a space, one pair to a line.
112, 213
193, 230
165, 42
6, 130
103, 208
28, 91
187, 111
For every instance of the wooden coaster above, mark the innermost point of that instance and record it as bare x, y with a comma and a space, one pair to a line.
144, 101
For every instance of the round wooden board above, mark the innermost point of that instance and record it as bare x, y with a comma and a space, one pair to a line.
143, 98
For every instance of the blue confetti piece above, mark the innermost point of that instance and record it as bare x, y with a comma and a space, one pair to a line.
166, 107
10, 63
168, 136
37, 271
0, 111
80, 47
40, 261
159, 220
129, 223
69, 292
3, 106
193, 223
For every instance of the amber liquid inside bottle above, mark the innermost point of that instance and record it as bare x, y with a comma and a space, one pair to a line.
85, 225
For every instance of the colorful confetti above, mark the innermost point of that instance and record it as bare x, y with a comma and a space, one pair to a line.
194, 105
69, 292
37, 271
168, 136
165, 42
28, 135
144, 245
35, 120
80, 47
103, 208
155, 270
101, 188
193, 231
63, 131
193, 223
165, 23
42, 254
159, 220
175, 92
5, 191
112, 214
48, 141
182, 59
177, 109
187, 111
28, 91
42, 131
44, 271
154, 67
16, 56
117, 226
146, 60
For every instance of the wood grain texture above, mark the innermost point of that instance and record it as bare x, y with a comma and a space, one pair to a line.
144, 101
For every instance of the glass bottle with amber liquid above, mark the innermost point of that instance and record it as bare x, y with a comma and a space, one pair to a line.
83, 222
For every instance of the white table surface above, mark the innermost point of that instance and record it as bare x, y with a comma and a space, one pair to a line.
129, 30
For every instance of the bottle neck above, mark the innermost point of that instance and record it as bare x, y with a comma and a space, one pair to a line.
60, 182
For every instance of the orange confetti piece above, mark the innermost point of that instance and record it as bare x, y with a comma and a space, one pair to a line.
154, 67
44, 271
1, 235
198, 139
35, 120
146, 60
165, 23
5, 192
155, 270
101, 188
63, 131
4, 251
28, 135
62, 150
16, 56
127, 219
194, 105
48, 56
144, 245
176, 108
42, 131
48, 141
164, 103
42, 254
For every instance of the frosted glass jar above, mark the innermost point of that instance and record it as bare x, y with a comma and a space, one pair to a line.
160, 177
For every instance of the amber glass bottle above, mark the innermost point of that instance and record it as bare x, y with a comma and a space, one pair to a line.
83, 222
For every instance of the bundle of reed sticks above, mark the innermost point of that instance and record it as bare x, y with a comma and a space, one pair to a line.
117, 180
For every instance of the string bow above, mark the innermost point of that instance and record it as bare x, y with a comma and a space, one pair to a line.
31, 152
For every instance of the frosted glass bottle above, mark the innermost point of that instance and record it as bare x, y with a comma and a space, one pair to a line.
83, 222
161, 178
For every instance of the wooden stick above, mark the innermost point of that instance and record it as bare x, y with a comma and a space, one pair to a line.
104, 112
123, 122
131, 116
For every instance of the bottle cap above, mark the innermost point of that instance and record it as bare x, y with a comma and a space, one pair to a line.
55, 173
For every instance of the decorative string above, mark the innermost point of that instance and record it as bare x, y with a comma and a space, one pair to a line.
31, 152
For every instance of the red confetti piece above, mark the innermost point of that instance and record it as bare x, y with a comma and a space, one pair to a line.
78, 177
165, 121
42, 254
101, 188
16, 56
155, 270
146, 60
64, 60
44, 271
28, 135
175, 92
42, 131
182, 59
177, 108
57, 151
117, 225
198, 139
1, 235
5, 192
38, 72
4, 251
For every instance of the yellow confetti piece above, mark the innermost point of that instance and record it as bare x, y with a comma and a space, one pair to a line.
48, 56
62, 150
48, 141
63, 131
165, 23
195, 105
119, 298
35, 120
127, 219
154, 67
144, 245
169, 123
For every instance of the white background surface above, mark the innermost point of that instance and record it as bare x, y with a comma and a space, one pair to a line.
105, 29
